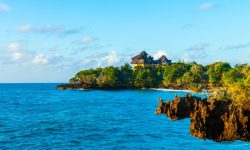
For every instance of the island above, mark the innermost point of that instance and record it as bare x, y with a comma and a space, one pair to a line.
223, 116
145, 73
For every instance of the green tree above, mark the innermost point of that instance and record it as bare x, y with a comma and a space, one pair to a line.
174, 72
87, 77
220, 78
109, 77
236, 82
73, 80
216, 70
147, 77
126, 75
197, 68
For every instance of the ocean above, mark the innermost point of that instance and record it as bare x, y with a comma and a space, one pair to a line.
38, 116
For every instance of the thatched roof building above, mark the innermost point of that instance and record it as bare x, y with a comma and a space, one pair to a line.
144, 59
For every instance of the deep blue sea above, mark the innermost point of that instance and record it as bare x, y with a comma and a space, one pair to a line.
38, 116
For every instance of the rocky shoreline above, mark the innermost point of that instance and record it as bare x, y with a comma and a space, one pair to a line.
79, 86
213, 119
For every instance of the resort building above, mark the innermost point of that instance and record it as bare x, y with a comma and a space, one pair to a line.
144, 59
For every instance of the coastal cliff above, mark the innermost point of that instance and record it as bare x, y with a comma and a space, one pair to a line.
210, 118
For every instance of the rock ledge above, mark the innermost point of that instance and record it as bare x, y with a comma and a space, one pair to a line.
210, 119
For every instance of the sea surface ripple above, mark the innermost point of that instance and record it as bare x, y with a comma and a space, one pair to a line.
37, 116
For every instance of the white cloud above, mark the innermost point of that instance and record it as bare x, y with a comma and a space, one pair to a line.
16, 56
112, 58
24, 28
104, 59
98, 59
14, 46
197, 51
159, 53
238, 46
206, 6
40, 59
88, 63
4, 7
38, 29
186, 58
15, 51
198, 47
46, 29
87, 40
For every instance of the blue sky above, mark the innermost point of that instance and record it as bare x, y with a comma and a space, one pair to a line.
49, 41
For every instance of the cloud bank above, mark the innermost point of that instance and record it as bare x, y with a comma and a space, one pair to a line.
38, 29
238, 46
46, 29
194, 52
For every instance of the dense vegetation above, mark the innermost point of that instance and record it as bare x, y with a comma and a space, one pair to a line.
220, 78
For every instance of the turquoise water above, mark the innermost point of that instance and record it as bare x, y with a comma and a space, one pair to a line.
37, 116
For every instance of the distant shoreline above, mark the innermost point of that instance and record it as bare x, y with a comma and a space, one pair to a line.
170, 90
78, 86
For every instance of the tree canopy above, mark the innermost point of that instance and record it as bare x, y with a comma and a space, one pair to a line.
231, 82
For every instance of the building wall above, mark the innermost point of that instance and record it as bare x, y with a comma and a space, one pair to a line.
136, 65
144, 65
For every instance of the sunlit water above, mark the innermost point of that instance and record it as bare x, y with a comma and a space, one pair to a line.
37, 116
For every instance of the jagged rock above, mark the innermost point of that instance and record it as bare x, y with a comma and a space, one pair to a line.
69, 86
210, 119
179, 108
86, 86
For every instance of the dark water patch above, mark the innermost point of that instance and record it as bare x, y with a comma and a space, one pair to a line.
75, 142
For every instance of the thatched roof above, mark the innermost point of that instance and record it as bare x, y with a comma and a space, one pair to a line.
141, 58
163, 60
145, 58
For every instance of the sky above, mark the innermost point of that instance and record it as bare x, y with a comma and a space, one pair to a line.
50, 41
